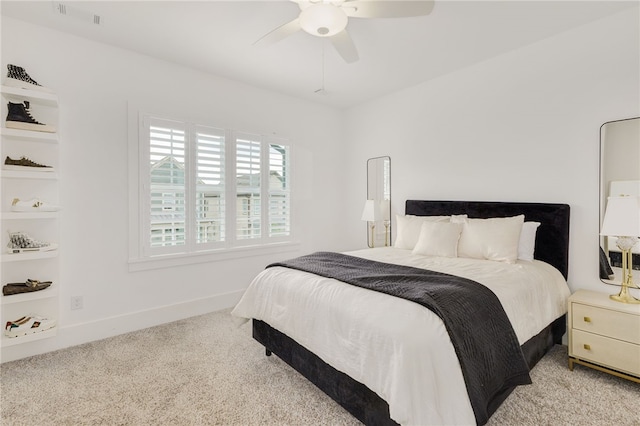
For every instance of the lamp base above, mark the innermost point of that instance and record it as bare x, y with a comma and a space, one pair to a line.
625, 244
624, 296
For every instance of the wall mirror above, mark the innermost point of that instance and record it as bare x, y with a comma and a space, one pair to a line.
377, 209
619, 175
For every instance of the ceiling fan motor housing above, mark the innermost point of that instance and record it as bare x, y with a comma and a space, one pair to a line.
323, 20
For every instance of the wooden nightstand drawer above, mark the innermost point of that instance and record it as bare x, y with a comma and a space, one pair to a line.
612, 353
605, 322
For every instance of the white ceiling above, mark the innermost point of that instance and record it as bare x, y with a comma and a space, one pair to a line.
217, 37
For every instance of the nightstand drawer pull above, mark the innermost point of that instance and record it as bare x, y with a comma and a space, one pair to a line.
587, 319
587, 347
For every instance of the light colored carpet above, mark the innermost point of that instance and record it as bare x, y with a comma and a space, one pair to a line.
208, 370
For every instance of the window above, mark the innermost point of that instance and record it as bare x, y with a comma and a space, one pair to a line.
191, 174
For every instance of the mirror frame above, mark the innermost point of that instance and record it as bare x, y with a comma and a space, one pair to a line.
604, 182
379, 190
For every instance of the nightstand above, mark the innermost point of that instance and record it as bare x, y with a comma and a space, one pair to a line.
604, 334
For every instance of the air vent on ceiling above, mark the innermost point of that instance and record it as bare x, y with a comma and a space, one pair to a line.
76, 13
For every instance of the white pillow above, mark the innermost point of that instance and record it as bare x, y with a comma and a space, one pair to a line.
527, 244
438, 239
492, 239
408, 229
458, 218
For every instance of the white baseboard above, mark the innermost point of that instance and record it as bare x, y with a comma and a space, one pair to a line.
78, 334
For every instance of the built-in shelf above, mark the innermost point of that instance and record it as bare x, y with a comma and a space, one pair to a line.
29, 135
30, 215
16, 94
19, 174
44, 147
35, 255
11, 341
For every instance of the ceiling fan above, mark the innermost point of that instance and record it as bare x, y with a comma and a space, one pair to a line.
329, 18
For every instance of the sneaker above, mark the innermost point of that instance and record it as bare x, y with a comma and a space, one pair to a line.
19, 117
33, 205
24, 163
28, 325
19, 242
25, 287
18, 77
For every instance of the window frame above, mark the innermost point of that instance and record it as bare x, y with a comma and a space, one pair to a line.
142, 256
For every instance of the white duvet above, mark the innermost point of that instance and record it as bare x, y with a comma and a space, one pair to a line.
397, 348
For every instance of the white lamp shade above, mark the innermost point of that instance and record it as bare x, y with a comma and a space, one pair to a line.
622, 217
371, 212
323, 20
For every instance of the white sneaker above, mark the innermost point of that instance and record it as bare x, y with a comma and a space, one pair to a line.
33, 205
28, 325
19, 242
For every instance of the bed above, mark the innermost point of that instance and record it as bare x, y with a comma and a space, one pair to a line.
355, 364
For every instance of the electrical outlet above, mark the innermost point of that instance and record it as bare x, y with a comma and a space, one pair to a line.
76, 303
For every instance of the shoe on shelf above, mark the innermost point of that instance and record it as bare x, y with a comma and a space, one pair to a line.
18, 77
25, 287
19, 117
32, 205
28, 325
19, 242
24, 163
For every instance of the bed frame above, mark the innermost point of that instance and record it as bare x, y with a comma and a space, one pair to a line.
552, 246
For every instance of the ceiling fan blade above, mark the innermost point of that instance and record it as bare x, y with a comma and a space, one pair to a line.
279, 33
345, 47
303, 4
387, 8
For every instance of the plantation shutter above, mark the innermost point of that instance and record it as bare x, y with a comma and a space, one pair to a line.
248, 183
210, 185
167, 183
206, 188
279, 191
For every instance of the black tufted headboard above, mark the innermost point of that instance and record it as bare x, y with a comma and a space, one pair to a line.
552, 238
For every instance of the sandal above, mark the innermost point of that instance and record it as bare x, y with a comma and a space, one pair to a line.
28, 325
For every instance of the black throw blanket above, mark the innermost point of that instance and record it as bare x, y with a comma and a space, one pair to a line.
482, 336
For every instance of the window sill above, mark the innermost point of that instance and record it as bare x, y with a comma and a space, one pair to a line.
181, 259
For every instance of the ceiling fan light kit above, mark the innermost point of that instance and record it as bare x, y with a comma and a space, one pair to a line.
323, 20
327, 18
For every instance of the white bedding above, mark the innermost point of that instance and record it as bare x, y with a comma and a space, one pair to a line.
398, 348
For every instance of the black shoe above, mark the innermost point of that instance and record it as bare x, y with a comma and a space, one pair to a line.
18, 77
19, 117
25, 162
26, 287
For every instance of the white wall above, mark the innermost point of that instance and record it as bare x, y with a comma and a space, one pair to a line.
95, 83
523, 126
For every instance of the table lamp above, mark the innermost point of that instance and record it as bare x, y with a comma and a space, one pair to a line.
622, 220
371, 214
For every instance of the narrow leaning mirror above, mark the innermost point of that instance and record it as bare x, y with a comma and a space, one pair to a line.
619, 177
377, 209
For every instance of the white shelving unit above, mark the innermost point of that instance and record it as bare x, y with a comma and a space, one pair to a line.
44, 266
